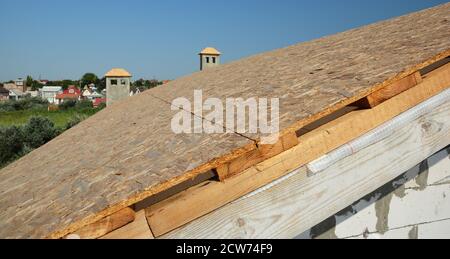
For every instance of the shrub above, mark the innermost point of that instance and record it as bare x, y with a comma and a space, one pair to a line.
11, 144
67, 104
23, 104
75, 120
84, 104
101, 106
38, 131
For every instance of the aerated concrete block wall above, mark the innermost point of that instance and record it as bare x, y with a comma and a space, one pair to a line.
204, 64
119, 91
416, 205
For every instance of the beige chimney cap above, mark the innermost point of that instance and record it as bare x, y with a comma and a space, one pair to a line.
210, 51
118, 72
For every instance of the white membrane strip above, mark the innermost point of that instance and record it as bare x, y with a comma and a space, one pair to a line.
379, 133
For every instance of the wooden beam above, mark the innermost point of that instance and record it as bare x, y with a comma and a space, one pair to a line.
138, 229
292, 206
390, 91
256, 156
288, 141
206, 197
106, 225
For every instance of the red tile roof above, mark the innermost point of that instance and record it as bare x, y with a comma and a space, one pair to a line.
72, 92
99, 101
67, 96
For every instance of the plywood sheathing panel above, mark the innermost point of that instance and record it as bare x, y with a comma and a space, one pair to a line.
127, 152
110, 161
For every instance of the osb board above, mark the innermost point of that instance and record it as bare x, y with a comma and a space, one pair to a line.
115, 156
127, 152
317, 77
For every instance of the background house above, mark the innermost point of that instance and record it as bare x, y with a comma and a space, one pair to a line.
49, 93
43, 81
71, 93
90, 93
18, 84
32, 93
87, 93
15, 94
4, 94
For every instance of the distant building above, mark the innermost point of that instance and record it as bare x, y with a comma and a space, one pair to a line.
9, 86
4, 94
21, 85
90, 93
18, 84
209, 58
138, 91
118, 83
32, 93
96, 95
43, 81
71, 93
15, 94
49, 93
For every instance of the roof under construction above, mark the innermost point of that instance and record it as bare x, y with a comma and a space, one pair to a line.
137, 155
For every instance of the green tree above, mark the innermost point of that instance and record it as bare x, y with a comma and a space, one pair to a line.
75, 121
11, 144
89, 78
29, 81
35, 85
139, 83
84, 104
66, 83
38, 131
67, 104
101, 84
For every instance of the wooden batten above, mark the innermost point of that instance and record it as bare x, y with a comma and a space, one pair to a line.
138, 229
389, 91
105, 225
261, 153
267, 164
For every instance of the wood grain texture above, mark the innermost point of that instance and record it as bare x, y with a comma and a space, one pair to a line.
206, 197
390, 91
106, 225
298, 203
253, 157
140, 156
62, 186
138, 229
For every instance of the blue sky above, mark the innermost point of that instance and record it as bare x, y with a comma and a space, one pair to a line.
59, 39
